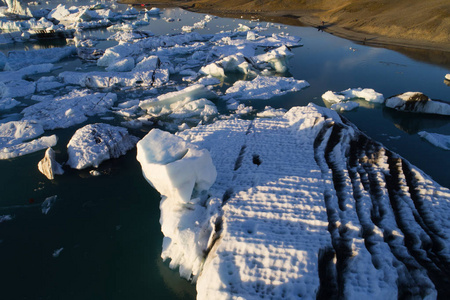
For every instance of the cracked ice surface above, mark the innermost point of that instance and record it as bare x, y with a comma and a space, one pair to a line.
290, 214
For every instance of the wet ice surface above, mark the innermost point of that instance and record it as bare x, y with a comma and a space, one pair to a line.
295, 211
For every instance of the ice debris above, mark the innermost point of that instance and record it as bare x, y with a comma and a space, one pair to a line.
95, 143
49, 166
8, 103
447, 77
439, 140
57, 252
418, 103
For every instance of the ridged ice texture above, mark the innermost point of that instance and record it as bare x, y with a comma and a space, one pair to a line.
312, 208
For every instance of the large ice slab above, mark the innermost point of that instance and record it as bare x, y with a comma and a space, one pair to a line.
291, 214
418, 103
95, 143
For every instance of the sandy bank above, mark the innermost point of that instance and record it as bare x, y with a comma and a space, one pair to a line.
408, 23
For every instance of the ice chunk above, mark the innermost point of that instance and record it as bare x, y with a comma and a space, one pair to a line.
277, 59
57, 252
270, 112
19, 59
95, 143
153, 11
418, 103
264, 87
439, 140
121, 65
344, 106
175, 168
70, 109
4, 218
94, 79
8, 103
28, 147
357, 93
447, 77
194, 92
48, 203
200, 107
49, 166
15, 132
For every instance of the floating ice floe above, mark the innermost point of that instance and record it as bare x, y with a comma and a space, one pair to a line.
181, 172
358, 93
155, 78
4, 218
8, 103
57, 252
48, 203
180, 102
418, 103
15, 132
198, 25
265, 87
28, 147
439, 140
68, 110
270, 112
20, 59
95, 143
49, 166
344, 106
447, 77
288, 214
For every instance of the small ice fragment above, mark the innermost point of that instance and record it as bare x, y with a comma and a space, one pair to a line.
57, 252
49, 166
48, 203
5, 218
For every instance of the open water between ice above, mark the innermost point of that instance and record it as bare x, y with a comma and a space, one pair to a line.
102, 238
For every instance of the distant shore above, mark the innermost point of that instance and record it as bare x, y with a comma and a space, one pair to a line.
414, 24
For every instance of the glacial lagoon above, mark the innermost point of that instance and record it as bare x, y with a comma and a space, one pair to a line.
102, 238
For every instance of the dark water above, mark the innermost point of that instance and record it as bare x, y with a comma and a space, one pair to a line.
108, 226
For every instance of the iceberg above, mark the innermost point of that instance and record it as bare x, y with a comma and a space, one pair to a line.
357, 93
447, 77
95, 143
418, 103
290, 215
344, 106
20, 59
265, 87
439, 140
49, 166
181, 172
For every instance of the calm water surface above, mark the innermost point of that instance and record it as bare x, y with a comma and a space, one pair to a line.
108, 226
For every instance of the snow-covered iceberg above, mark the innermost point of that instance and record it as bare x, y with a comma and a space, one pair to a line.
95, 143
418, 103
304, 205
